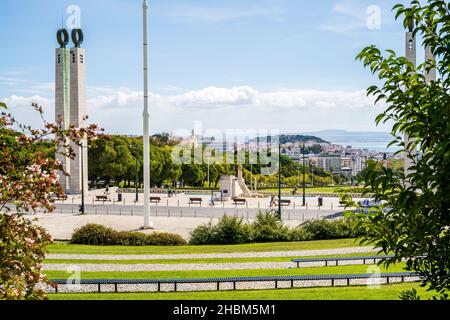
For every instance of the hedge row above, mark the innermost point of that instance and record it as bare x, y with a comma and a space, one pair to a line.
93, 234
267, 228
229, 230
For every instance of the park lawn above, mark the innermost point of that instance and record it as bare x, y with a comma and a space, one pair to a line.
188, 274
205, 261
386, 292
67, 248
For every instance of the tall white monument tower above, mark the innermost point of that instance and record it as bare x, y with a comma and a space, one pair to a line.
70, 106
411, 55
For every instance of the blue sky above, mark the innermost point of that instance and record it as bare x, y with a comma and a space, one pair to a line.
273, 64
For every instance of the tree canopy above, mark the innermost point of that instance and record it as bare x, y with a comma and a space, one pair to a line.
414, 219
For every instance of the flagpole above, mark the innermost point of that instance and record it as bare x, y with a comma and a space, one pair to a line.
146, 123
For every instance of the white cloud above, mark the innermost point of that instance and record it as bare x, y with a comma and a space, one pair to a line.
215, 97
20, 103
120, 111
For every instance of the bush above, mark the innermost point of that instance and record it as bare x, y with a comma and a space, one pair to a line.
165, 239
230, 230
203, 234
300, 234
93, 234
131, 239
268, 228
330, 230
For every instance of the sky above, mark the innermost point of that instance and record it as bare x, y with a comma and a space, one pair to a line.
286, 65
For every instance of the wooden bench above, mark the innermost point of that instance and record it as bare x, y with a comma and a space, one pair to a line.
285, 203
103, 198
127, 285
61, 198
195, 201
238, 201
155, 199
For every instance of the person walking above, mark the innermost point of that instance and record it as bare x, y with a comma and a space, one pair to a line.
273, 201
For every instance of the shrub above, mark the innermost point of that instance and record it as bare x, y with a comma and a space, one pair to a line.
409, 295
329, 230
230, 230
203, 234
268, 228
165, 239
345, 228
93, 234
300, 234
131, 239
319, 229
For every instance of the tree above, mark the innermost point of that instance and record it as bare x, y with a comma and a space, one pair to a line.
193, 174
101, 159
415, 216
28, 176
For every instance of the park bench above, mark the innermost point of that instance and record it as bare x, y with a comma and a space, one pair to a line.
336, 260
195, 201
155, 199
103, 198
61, 198
238, 201
285, 203
276, 280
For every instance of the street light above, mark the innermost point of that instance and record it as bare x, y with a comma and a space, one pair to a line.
209, 182
251, 176
279, 181
304, 177
146, 116
82, 211
136, 184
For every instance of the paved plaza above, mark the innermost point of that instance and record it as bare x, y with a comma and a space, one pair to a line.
173, 214
179, 206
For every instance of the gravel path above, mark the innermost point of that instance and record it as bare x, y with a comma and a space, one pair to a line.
279, 254
170, 267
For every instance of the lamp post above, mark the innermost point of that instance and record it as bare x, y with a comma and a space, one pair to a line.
136, 183
82, 210
146, 116
251, 176
279, 181
304, 177
209, 181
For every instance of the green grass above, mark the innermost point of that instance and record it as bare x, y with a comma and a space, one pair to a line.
350, 269
66, 248
190, 261
387, 292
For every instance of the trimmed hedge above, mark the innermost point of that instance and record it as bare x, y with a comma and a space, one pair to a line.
94, 234
267, 228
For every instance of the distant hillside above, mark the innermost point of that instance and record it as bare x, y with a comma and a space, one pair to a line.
297, 138
300, 139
